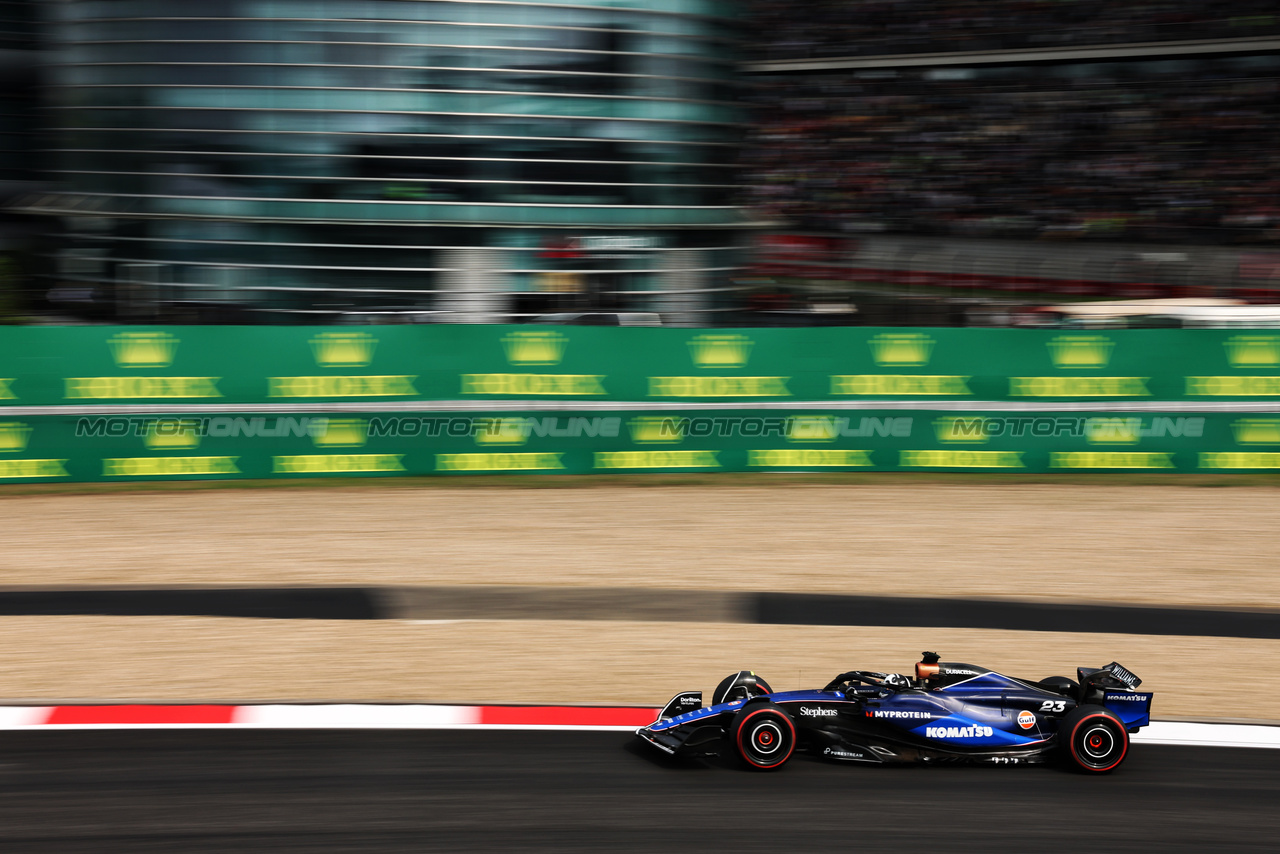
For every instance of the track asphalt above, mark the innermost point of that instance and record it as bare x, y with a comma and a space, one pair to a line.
564, 791
542, 603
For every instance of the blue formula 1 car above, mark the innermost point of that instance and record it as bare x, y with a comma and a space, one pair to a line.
949, 712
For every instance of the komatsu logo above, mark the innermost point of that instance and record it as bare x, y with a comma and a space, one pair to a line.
818, 713
957, 731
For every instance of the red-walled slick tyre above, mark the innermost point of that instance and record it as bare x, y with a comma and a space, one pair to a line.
764, 737
1093, 740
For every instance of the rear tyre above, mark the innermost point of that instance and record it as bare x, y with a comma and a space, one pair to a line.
1093, 740
764, 737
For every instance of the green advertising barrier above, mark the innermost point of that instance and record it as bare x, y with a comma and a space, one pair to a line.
121, 403
122, 448
46, 366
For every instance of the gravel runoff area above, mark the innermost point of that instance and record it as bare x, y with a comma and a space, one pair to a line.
1120, 544
545, 662
1115, 544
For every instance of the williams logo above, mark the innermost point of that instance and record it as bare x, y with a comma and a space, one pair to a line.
1253, 351
535, 347
143, 349
1026, 720
342, 433
1256, 431
720, 351
343, 349
901, 349
14, 436
1081, 351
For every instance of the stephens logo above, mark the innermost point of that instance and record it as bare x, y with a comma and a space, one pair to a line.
1026, 720
957, 732
818, 713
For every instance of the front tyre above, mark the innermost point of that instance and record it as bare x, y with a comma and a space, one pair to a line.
1093, 740
764, 737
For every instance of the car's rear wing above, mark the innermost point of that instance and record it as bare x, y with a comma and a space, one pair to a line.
1115, 687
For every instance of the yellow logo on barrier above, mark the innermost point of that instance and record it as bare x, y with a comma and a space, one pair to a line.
1110, 460
1233, 386
812, 428
390, 386
535, 347
137, 388
169, 466
343, 349
1253, 351
657, 430
1239, 460
342, 433
32, 468
14, 436
1081, 351
1256, 431
172, 434
720, 350
900, 385
143, 349
901, 349
501, 431
337, 464
657, 459
534, 384
6, 389
808, 458
1112, 431
719, 387
500, 462
1079, 387
960, 429
961, 459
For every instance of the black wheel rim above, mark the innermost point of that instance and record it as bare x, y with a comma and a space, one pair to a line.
1098, 745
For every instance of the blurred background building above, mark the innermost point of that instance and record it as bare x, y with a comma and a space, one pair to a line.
703, 162
289, 160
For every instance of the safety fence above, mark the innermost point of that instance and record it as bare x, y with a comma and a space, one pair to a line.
115, 403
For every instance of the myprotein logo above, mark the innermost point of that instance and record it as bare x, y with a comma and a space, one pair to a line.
817, 712
893, 713
958, 732
1026, 720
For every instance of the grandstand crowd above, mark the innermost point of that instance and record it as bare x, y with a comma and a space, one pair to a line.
827, 28
1166, 151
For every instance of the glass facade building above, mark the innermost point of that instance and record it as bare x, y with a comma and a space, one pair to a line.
489, 158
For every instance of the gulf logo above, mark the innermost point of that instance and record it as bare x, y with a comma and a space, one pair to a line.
1026, 720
